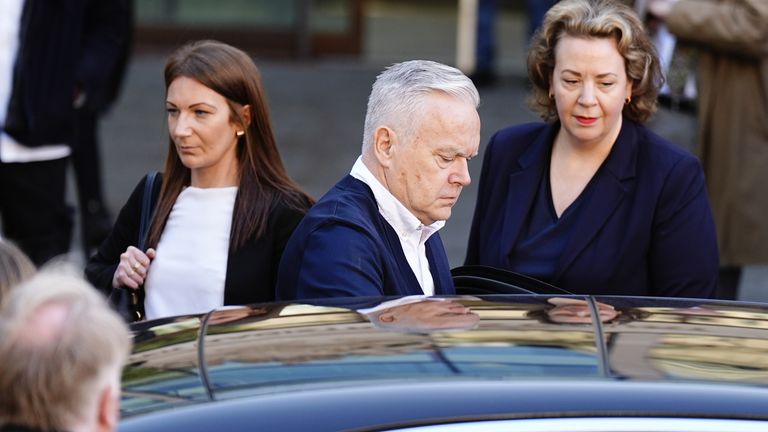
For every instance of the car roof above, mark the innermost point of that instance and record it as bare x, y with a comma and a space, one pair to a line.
657, 355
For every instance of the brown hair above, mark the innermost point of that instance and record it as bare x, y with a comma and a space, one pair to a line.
596, 19
15, 267
263, 178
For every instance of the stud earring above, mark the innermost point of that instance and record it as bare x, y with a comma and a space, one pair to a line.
627, 100
239, 133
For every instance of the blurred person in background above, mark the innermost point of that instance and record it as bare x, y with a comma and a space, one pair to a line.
591, 200
51, 52
485, 73
226, 206
105, 61
62, 352
15, 267
731, 37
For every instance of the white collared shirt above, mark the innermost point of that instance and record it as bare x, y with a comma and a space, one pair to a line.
10, 150
412, 233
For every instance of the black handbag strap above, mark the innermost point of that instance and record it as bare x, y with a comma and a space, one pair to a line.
146, 210
137, 296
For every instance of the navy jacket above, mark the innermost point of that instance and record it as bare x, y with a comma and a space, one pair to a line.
64, 46
646, 230
344, 248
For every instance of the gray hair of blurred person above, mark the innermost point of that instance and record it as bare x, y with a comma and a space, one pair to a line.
62, 350
15, 267
398, 93
596, 19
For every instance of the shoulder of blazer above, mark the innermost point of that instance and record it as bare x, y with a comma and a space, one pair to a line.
519, 146
349, 202
517, 138
659, 154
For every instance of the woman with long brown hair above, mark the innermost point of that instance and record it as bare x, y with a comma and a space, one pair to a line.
225, 207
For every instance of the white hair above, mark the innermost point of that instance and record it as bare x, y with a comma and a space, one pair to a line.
51, 375
399, 91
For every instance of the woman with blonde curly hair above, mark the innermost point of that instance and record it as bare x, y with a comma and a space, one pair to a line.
590, 200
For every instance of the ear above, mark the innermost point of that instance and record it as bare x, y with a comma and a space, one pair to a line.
246, 113
387, 317
109, 409
384, 141
629, 88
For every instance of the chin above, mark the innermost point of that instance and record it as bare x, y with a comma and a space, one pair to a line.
442, 216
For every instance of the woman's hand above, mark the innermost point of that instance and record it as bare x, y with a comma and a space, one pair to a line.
132, 268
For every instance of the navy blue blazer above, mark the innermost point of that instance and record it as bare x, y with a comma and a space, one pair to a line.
64, 46
344, 248
646, 230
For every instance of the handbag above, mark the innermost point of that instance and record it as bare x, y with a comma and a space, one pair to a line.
129, 303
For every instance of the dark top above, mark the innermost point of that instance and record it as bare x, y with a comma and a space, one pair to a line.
544, 235
64, 47
647, 231
251, 270
345, 248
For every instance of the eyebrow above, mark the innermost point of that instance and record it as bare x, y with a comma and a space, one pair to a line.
457, 152
602, 75
194, 105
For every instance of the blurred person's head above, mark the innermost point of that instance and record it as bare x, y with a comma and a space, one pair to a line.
594, 34
62, 350
421, 128
219, 127
15, 267
425, 316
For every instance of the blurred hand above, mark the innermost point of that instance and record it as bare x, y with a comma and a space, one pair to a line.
132, 268
660, 8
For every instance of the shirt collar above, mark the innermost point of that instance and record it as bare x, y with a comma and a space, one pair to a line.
390, 208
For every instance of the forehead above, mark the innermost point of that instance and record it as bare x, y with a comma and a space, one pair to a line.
189, 90
446, 122
583, 52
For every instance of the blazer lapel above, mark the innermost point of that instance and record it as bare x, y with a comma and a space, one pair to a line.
608, 192
523, 184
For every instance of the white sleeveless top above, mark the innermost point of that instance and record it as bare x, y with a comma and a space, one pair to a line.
189, 271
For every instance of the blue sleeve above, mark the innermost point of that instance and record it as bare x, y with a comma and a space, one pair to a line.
684, 259
339, 261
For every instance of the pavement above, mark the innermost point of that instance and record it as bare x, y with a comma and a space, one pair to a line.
318, 108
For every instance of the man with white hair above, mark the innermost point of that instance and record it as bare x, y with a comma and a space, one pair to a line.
62, 350
375, 232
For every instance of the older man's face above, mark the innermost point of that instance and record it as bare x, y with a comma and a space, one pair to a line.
429, 168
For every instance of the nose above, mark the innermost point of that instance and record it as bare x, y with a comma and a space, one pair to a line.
460, 175
587, 96
180, 126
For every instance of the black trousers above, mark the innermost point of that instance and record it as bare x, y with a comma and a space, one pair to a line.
86, 160
33, 207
